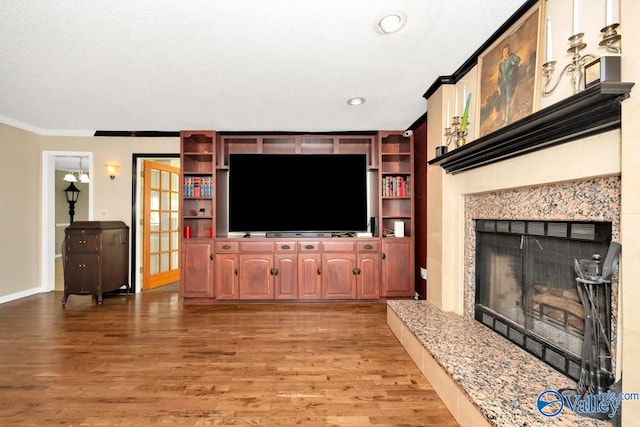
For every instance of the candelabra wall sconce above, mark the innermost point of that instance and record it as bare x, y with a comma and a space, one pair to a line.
610, 37
456, 134
575, 69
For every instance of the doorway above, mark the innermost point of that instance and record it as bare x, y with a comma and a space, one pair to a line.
137, 212
52, 161
161, 225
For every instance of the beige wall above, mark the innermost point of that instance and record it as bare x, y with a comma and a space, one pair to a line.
613, 153
20, 185
111, 198
20, 212
630, 217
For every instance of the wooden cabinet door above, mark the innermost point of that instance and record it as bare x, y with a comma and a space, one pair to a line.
226, 276
397, 268
256, 274
309, 276
81, 273
368, 277
286, 275
197, 270
339, 276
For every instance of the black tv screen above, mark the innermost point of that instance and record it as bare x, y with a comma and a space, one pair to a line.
297, 192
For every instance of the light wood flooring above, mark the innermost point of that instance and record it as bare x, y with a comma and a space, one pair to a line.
149, 360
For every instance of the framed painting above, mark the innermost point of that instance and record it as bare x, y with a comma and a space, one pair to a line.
508, 82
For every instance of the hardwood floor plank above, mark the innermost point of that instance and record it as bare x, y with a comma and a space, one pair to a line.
147, 359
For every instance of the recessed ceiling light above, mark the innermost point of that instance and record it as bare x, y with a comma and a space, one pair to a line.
391, 23
356, 101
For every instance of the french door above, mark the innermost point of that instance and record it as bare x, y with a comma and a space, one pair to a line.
161, 219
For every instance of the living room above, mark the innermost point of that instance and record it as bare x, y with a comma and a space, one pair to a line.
610, 155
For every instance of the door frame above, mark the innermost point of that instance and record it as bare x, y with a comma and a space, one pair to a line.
47, 225
136, 212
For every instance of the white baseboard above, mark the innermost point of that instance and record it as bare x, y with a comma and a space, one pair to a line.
18, 295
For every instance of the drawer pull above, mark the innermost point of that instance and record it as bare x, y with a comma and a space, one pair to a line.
226, 246
308, 247
285, 247
368, 246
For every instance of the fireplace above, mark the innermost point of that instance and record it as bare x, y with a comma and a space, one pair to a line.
545, 207
526, 287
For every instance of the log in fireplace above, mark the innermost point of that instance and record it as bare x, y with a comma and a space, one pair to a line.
526, 288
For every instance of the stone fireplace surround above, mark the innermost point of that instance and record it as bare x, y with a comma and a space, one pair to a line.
484, 379
584, 200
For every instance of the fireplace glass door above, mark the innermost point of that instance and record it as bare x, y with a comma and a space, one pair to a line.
526, 288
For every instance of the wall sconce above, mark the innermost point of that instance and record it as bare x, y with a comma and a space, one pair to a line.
575, 70
112, 170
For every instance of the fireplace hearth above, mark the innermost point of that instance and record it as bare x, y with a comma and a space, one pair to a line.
526, 287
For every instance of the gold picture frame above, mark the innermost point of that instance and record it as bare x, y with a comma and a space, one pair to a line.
508, 81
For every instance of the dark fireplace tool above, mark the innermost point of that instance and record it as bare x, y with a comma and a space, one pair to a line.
593, 282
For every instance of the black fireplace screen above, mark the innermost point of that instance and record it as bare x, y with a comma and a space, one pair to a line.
526, 285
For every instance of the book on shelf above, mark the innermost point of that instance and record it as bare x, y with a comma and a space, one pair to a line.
396, 186
197, 186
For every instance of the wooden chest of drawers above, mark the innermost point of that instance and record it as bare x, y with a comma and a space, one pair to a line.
95, 258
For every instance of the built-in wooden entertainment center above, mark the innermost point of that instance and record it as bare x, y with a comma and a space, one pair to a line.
219, 266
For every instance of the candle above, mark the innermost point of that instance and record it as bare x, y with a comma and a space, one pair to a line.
465, 116
455, 110
609, 17
447, 119
464, 96
549, 55
576, 16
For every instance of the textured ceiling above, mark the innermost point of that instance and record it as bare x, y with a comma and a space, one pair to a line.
70, 66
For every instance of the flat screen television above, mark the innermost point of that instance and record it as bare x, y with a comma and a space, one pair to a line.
302, 193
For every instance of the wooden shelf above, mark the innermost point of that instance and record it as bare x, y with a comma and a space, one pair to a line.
589, 112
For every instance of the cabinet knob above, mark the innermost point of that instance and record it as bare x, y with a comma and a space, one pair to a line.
285, 247
319, 270
356, 271
368, 246
308, 247
211, 257
235, 271
384, 256
274, 271
226, 246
